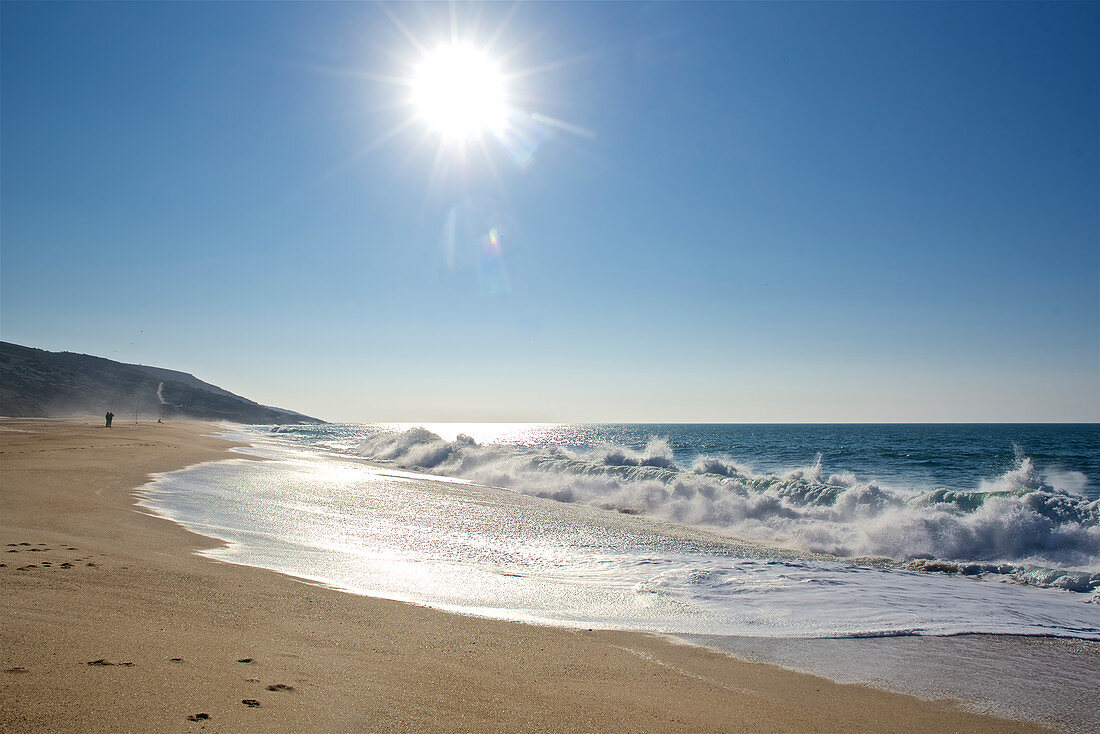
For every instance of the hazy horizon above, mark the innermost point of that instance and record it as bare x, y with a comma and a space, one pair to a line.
671, 213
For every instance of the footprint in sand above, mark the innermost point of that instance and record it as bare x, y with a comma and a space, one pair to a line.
16, 670
175, 660
245, 660
280, 687
101, 663
250, 702
198, 717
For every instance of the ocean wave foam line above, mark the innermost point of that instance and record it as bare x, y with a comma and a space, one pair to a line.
1017, 524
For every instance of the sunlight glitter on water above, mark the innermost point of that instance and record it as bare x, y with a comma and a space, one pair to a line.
493, 552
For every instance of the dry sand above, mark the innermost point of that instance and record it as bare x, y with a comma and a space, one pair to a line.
111, 623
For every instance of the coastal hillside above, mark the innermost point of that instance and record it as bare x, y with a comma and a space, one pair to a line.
37, 383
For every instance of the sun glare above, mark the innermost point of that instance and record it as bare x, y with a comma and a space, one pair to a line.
466, 92
459, 92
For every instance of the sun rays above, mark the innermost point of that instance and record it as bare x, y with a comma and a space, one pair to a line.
464, 105
458, 89
459, 92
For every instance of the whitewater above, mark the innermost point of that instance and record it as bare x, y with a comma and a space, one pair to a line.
713, 534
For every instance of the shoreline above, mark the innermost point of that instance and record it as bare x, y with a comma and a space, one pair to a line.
167, 628
966, 666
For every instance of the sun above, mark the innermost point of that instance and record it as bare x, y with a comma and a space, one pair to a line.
459, 92
465, 89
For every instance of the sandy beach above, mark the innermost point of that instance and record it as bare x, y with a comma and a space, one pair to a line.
112, 623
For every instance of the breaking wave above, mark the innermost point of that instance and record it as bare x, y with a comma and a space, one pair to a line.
1017, 524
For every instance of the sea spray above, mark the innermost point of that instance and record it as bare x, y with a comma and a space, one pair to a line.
449, 543
1042, 534
317, 511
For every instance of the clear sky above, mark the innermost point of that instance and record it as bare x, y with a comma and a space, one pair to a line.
714, 212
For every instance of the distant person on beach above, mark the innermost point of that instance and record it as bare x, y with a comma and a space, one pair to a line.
110, 417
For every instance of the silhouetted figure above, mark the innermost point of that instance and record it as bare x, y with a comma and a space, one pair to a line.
110, 417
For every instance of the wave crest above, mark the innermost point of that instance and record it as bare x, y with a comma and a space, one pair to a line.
1017, 519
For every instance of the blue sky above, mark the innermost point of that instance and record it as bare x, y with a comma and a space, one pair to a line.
753, 212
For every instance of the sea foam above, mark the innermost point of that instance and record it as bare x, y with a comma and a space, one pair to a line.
1018, 523
316, 512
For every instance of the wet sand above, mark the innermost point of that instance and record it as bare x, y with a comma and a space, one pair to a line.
111, 623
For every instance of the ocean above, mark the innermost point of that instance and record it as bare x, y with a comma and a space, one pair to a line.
905, 556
